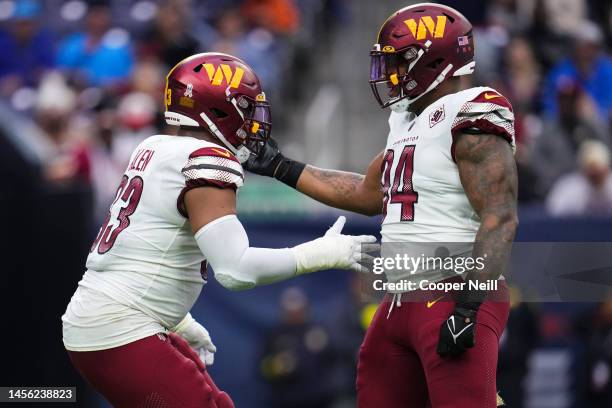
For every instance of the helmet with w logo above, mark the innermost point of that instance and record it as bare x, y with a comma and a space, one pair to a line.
222, 94
418, 48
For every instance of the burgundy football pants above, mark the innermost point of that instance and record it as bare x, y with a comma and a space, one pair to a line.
156, 372
399, 367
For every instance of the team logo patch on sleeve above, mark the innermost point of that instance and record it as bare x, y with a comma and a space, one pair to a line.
436, 116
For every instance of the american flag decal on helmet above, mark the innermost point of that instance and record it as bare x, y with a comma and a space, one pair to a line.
463, 41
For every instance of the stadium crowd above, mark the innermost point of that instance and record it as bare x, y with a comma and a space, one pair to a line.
84, 78
551, 60
90, 74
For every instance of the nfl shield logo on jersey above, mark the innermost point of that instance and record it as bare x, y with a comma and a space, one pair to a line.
436, 116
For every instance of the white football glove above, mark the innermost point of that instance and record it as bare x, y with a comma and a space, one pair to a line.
334, 251
197, 337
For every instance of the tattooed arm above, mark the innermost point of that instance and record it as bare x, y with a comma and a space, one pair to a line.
348, 191
488, 173
341, 189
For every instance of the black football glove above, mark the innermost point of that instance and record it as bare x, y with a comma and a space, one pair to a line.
267, 159
458, 332
270, 162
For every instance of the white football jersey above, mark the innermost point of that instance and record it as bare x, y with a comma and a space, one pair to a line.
424, 199
145, 270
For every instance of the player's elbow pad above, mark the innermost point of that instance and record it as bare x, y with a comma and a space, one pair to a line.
237, 266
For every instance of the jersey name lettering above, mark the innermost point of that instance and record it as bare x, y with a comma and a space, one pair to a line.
141, 159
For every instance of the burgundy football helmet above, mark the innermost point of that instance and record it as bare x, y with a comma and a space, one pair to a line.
222, 94
418, 48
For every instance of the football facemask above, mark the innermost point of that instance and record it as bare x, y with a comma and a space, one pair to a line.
257, 121
391, 77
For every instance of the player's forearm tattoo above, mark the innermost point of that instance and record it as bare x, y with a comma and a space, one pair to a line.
345, 184
488, 173
341, 189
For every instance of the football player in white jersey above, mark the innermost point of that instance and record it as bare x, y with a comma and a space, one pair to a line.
127, 328
447, 174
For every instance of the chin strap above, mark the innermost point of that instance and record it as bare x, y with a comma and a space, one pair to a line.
242, 153
407, 102
421, 52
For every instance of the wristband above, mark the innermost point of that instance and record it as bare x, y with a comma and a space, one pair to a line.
288, 171
187, 320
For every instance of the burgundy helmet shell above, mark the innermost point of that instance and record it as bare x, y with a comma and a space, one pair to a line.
417, 48
221, 93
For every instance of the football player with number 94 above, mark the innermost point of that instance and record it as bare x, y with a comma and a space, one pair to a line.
446, 175
127, 328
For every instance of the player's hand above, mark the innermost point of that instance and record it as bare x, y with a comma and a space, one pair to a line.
360, 245
267, 160
270, 162
335, 251
198, 338
458, 332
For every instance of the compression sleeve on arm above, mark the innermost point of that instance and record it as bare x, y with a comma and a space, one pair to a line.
237, 266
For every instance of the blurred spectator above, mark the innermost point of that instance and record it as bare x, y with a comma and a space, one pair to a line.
520, 83
55, 103
522, 76
565, 16
170, 40
296, 361
555, 148
587, 191
104, 171
148, 78
27, 48
549, 44
510, 14
100, 55
588, 66
490, 43
504, 20
53, 113
211, 9
117, 132
136, 118
278, 16
231, 30
258, 47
